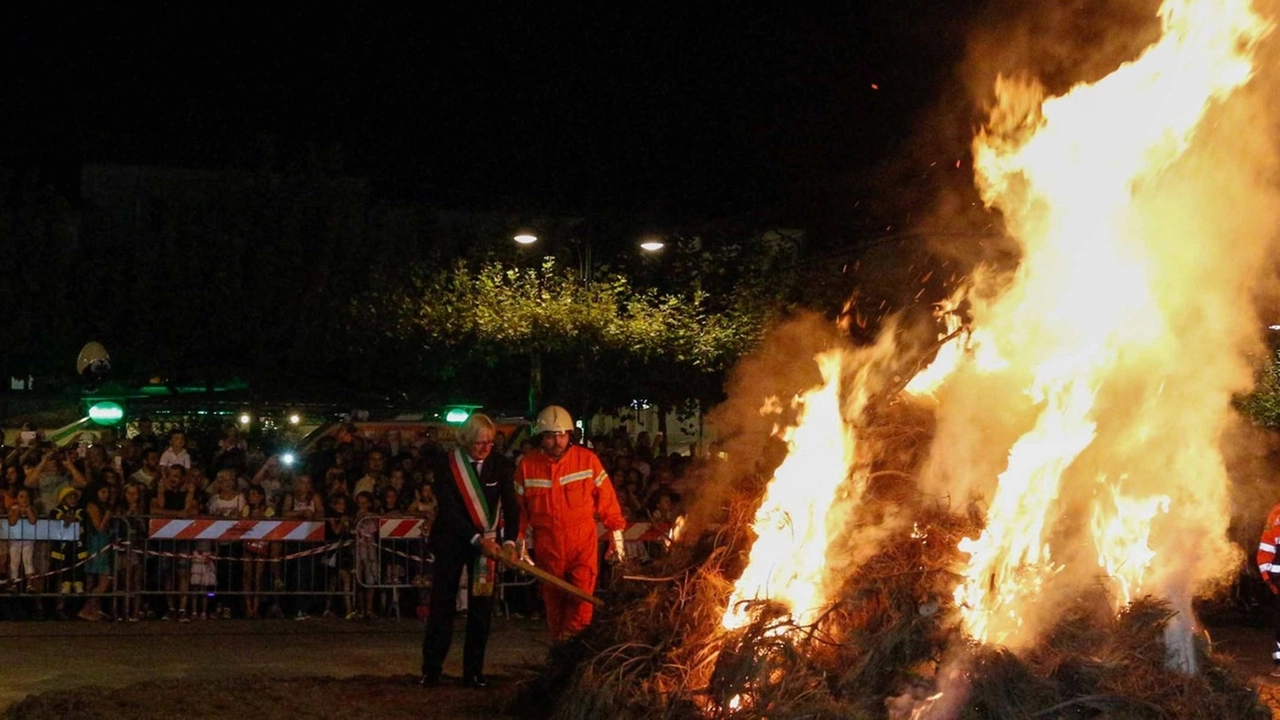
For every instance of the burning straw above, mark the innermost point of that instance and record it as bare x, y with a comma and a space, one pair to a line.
888, 641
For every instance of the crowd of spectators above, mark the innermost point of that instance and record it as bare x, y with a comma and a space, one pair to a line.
113, 485
648, 482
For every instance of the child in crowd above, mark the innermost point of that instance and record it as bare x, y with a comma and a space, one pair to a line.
134, 511
65, 554
9, 484
665, 508
424, 506
335, 482
302, 502
338, 532
110, 477
256, 551
12, 481
204, 579
22, 553
225, 502
270, 477
398, 481
393, 551
366, 552
100, 565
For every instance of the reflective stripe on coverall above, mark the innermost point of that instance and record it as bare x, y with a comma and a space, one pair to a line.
560, 500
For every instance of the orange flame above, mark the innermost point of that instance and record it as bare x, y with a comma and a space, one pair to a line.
788, 558
1077, 392
1084, 324
1122, 529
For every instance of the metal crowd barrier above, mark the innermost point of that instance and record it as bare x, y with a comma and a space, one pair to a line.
50, 559
243, 568
390, 558
175, 568
145, 567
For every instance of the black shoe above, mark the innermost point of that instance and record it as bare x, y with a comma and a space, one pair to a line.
476, 681
430, 680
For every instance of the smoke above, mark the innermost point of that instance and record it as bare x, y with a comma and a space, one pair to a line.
747, 446
1212, 274
870, 373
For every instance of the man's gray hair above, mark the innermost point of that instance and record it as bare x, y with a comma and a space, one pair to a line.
471, 429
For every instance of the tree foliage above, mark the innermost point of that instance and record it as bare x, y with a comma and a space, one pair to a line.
604, 338
550, 308
1263, 404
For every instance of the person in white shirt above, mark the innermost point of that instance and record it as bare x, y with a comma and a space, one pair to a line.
149, 474
176, 453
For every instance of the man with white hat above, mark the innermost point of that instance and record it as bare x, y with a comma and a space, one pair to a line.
563, 489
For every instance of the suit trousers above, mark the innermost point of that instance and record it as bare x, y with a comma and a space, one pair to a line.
449, 562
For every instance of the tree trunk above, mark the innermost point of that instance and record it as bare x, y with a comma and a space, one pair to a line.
585, 397
535, 383
662, 429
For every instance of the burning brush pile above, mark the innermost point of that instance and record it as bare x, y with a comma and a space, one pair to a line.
1012, 521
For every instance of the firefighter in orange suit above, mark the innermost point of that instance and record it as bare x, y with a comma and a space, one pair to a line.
1269, 565
563, 489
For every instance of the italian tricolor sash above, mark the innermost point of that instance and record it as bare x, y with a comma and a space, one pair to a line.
484, 517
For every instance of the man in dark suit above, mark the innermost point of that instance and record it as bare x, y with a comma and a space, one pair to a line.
478, 509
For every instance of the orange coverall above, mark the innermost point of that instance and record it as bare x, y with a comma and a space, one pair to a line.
560, 500
1270, 569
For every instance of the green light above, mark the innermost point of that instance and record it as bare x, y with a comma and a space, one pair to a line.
456, 415
106, 413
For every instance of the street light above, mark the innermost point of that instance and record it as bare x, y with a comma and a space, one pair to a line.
526, 239
652, 244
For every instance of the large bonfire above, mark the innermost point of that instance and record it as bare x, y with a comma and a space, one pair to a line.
1019, 527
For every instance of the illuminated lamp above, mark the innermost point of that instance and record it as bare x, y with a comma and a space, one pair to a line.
456, 415
106, 413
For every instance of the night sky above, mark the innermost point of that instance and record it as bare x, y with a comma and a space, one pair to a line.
681, 113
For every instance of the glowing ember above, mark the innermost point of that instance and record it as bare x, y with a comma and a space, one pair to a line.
789, 555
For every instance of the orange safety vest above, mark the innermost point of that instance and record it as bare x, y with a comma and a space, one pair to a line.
565, 493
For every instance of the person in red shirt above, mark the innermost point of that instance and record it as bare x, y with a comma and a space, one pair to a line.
563, 489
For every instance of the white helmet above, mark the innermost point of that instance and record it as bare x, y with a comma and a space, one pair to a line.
553, 418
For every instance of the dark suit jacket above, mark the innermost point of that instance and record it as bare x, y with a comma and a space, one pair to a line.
453, 523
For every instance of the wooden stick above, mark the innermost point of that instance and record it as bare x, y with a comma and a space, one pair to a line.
546, 577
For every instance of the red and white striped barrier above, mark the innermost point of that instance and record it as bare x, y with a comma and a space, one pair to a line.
396, 528
175, 529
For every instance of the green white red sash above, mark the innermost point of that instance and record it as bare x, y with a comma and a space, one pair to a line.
468, 482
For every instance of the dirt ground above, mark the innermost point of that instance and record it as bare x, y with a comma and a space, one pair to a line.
279, 671
368, 696
237, 669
